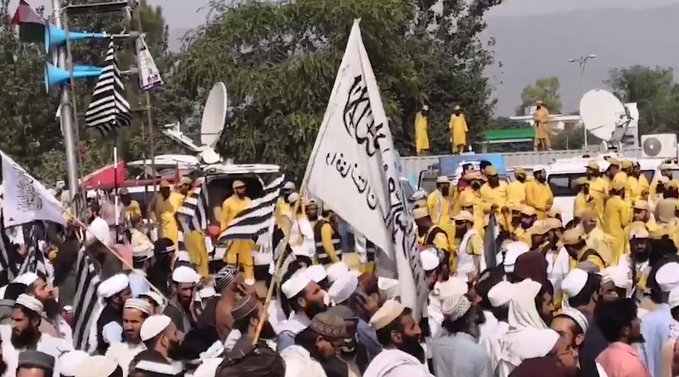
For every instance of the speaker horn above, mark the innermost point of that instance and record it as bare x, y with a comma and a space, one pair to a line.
55, 77
56, 36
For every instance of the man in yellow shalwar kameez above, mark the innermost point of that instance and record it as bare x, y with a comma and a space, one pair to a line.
422, 131
539, 195
516, 190
238, 252
458, 130
598, 189
131, 208
543, 135
494, 197
583, 199
162, 210
438, 202
594, 235
194, 241
616, 217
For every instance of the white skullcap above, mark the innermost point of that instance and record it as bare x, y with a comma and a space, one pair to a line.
343, 288
674, 298
576, 316
388, 287
574, 282
208, 367
183, 256
139, 304
616, 274
430, 259
390, 310
336, 270
514, 251
153, 295
667, 276
70, 362
316, 273
207, 292
91, 194
500, 294
113, 285
96, 366
30, 303
535, 342
295, 284
27, 279
454, 307
452, 287
153, 326
185, 274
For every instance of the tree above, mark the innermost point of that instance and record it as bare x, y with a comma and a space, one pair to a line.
654, 91
545, 89
279, 62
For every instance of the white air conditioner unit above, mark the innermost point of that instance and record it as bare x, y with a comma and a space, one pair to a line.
659, 146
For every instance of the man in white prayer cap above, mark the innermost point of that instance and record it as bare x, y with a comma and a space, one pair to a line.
341, 289
305, 299
184, 279
70, 362
336, 270
572, 325
496, 323
457, 352
25, 334
135, 312
399, 334
114, 291
655, 326
318, 274
513, 251
162, 341
581, 292
614, 283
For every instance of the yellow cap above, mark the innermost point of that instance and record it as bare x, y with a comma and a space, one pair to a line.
539, 228
673, 183
539, 102
491, 170
659, 232
123, 191
464, 216
641, 204
593, 165
466, 203
236, 184
519, 172
165, 184
419, 213
457, 107
442, 179
613, 161
663, 179
619, 182
572, 236
553, 223
638, 229
665, 209
474, 175
581, 181
185, 181
527, 210
627, 164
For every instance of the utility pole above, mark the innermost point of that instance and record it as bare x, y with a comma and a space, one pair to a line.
582, 63
66, 116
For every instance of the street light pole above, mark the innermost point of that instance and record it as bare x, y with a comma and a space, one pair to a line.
582, 63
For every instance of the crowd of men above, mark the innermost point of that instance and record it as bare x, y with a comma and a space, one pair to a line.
597, 296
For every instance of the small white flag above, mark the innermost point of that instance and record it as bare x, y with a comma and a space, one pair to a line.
26, 199
353, 170
149, 76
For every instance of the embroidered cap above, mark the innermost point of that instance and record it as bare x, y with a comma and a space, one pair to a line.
329, 325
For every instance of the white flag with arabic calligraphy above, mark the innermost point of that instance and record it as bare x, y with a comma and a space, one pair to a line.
25, 198
352, 169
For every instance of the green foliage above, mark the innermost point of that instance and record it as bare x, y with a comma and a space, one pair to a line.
655, 92
279, 62
545, 89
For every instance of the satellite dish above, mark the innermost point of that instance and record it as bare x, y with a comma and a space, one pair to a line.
214, 116
601, 112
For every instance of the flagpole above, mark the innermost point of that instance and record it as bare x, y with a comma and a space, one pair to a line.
277, 269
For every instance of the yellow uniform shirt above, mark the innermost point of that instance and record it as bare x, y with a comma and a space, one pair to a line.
132, 210
539, 196
598, 240
231, 207
458, 130
598, 190
439, 207
581, 203
616, 218
516, 193
421, 133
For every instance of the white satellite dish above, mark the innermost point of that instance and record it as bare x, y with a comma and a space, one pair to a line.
601, 112
214, 116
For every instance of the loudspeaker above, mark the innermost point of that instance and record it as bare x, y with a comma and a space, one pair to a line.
55, 77
56, 36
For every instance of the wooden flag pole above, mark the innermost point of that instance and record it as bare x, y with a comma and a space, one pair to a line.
276, 274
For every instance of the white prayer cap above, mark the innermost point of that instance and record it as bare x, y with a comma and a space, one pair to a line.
153, 295
574, 282
514, 251
500, 294
289, 185
113, 285
388, 287
336, 270
27, 279
295, 284
139, 304
208, 367
576, 316
185, 274
183, 256
153, 326
430, 259
70, 362
454, 286
455, 306
390, 310
207, 292
293, 197
616, 274
343, 288
316, 273
667, 276
92, 194
96, 366
30, 303
535, 343
674, 298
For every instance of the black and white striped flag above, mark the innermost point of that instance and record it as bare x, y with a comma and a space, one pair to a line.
35, 259
193, 215
85, 301
257, 219
109, 108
